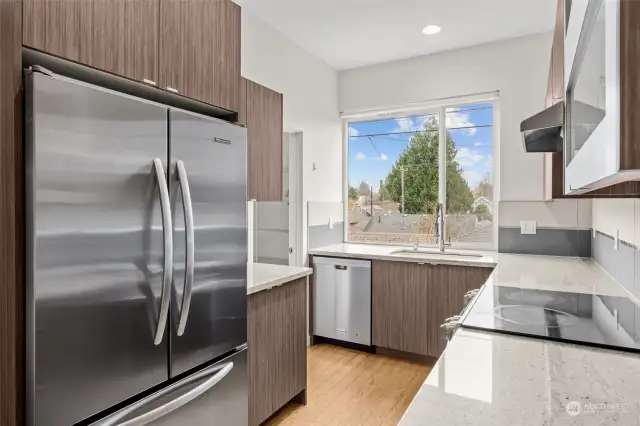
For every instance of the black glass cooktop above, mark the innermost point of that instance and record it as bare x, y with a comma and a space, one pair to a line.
603, 321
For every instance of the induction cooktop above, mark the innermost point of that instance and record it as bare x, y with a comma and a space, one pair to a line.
595, 320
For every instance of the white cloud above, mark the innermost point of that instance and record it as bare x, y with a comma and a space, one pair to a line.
363, 156
468, 157
477, 144
353, 131
473, 178
460, 119
409, 124
405, 124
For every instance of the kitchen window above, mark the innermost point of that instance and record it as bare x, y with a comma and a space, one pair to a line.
397, 174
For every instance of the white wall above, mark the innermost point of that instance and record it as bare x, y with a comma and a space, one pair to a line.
310, 89
517, 68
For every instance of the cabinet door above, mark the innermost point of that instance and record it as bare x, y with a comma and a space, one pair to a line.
200, 50
450, 284
123, 38
56, 27
118, 36
264, 133
277, 348
402, 302
410, 301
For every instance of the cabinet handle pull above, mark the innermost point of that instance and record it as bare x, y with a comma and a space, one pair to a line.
151, 82
341, 267
171, 89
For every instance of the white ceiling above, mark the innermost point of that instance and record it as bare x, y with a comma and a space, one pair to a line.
354, 33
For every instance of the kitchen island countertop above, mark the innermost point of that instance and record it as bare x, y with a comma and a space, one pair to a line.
263, 276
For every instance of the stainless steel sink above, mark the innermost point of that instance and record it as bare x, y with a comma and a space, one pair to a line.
438, 254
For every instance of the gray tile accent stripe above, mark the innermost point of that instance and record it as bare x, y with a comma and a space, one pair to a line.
546, 241
321, 235
621, 264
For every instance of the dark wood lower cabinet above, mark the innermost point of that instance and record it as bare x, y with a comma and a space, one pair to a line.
277, 348
410, 301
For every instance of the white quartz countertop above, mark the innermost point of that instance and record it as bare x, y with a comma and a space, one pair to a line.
490, 379
382, 252
512, 270
486, 378
263, 276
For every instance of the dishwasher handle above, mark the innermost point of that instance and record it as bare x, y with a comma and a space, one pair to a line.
341, 267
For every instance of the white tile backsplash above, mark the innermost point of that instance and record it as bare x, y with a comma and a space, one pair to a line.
554, 214
319, 213
272, 215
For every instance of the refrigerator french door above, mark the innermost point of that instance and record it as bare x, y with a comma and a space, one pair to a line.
209, 202
135, 253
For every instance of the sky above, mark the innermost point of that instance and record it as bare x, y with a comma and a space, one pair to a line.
374, 146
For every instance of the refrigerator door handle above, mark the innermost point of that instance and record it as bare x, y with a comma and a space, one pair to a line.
190, 243
174, 404
167, 231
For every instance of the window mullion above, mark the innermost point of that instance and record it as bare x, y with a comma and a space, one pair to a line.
442, 162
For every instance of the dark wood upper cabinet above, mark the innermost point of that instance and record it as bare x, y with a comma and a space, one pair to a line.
189, 47
57, 27
557, 55
118, 36
264, 132
554, 166
200, 50
123, 38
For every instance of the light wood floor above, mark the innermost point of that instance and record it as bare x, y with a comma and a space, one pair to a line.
347, 387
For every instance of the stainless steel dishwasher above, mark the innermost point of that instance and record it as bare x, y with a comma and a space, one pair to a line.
342, 299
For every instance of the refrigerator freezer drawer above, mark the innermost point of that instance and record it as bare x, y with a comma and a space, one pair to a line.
342, 299
217, 394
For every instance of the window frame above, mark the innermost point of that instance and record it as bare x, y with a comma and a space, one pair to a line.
424, 108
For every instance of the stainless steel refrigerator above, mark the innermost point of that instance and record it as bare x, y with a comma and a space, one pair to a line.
136, 260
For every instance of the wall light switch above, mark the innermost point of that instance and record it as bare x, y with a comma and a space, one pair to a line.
330, 223
528, 227
616, 242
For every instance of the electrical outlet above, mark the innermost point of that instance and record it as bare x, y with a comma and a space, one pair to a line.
528, 227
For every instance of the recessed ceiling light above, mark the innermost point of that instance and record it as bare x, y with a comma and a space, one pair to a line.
431, 29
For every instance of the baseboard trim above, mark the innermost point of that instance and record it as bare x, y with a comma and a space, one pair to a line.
423, 359
348, 345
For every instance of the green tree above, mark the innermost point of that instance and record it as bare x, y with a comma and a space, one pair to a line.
483, 213
420, 163
364, 188
383, 194
353, 193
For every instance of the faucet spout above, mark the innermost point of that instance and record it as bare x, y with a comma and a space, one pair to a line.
440, 220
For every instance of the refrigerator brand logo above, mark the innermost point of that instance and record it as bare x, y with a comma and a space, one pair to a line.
220, 140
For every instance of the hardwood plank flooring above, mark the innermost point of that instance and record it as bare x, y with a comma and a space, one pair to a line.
347, 387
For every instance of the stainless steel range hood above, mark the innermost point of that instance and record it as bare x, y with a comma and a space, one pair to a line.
543, 132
